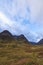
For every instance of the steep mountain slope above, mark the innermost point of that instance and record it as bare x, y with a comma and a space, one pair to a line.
7, 36
6, 33
21, 38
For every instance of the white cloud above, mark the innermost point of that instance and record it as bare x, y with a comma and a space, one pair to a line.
19, 9
14, 12
16, 8
4, 19
36, 10
15, 27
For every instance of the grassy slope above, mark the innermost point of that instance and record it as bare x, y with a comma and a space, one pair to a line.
20, 53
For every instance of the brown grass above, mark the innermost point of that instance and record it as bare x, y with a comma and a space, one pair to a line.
20, 54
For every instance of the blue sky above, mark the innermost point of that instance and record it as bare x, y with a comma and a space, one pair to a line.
22, 17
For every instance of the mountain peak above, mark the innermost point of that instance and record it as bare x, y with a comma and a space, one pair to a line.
7, 36
6, 33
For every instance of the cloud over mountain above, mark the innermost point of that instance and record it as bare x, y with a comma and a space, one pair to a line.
22, 16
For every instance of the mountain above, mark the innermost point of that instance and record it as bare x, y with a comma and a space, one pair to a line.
40, 42
5, 33
21, 38
6, 36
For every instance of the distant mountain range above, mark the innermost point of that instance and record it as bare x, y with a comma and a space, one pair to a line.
6, 36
